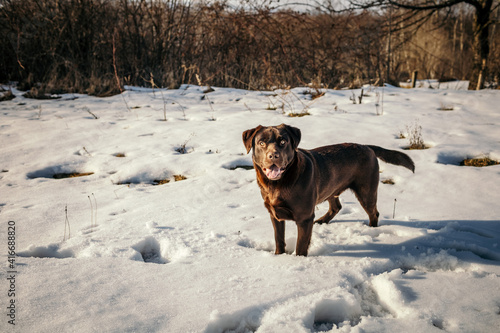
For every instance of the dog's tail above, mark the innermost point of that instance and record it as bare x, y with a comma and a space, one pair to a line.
394, 157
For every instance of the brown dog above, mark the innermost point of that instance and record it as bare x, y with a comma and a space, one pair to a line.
293, 181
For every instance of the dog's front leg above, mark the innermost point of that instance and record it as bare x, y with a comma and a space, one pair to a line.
304, 233
279, 235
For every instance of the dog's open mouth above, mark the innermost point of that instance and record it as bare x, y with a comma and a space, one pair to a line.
273, 172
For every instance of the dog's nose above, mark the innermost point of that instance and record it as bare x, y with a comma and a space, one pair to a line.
273, 155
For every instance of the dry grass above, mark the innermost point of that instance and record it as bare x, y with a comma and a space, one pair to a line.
161, 181
71, 175
446, 107
179, 177
417, 147
183, 149
479, 162
315, 93
36, 93
6, 96
297, 115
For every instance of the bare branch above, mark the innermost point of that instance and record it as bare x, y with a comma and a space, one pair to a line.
430, 4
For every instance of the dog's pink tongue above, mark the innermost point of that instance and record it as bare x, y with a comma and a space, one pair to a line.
273, 172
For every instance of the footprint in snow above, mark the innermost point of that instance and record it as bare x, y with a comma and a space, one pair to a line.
50, 251
150, 250
318, 312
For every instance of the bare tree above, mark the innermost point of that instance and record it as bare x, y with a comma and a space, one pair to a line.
483, 13
82, 46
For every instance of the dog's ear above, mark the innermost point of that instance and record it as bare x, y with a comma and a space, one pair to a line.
294, 133
248, 136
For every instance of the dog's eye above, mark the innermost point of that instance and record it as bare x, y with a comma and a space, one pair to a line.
283, 142
262, 143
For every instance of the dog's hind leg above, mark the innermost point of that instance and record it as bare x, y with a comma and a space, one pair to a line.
365, 188
334, 208
367, 197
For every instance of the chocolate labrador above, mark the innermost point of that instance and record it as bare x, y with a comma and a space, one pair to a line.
293, 180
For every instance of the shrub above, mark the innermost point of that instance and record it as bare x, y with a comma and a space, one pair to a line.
415, 138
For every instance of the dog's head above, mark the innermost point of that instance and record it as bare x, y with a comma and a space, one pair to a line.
274, 148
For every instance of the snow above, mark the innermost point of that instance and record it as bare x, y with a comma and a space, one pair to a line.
435, 84
111, 252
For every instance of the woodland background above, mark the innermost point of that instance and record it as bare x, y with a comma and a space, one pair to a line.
97, 46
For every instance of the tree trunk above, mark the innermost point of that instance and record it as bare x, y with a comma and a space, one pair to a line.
481, 41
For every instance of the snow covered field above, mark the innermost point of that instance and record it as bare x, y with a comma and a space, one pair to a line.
113, 252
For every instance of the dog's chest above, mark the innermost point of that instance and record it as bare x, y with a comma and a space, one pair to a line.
277, 206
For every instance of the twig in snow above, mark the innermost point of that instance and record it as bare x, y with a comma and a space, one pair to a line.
91, 214
85, 149
211, 107
394, 210
88, 110
66, 223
